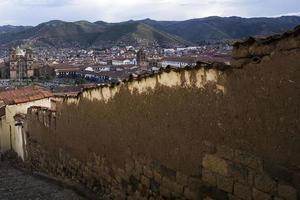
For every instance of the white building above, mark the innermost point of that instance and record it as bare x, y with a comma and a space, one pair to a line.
98, 68
169, 51
16, 102
123, 62
177, 62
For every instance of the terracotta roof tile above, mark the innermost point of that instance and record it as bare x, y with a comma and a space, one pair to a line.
23, 95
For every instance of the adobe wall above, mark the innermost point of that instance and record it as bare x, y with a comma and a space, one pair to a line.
192, 133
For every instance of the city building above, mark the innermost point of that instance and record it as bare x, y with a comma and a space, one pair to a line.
141, 58
21, 63
15, 102
178, 62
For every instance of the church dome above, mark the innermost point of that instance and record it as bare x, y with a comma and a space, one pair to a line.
20, 52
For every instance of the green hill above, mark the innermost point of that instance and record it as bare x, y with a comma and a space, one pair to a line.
139, 34
219, 28
144, 32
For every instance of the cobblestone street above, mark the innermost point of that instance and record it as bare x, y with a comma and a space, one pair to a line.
17, 185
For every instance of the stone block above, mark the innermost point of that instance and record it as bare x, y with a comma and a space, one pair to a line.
215, 164
214, 193
259, 195
134, 182
209, 177
296, 179
157, 176
251, 177
264, 183
239, 63
167, 172
225, 184
280, 172
177, 188
165, 192
154, 186
122, 173
232, 197
225, 152
181, 178
129, 166
137, 195
239, 173
145, 181
242, 191
241, 52
278, 198
155, 165
167, 183
147, 172
209, 147
138, 167
248, 160
194, 183
287, 192
190, 194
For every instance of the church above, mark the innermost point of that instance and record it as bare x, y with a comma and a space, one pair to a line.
19, 65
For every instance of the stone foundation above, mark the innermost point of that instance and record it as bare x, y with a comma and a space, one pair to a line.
224, 173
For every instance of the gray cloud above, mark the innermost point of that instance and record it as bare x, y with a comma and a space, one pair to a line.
44, 3
32, 12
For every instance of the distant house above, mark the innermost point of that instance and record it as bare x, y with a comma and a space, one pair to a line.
65, 70
178, 62
16, 102
94, 76
122, 62
117, 62
101, 62
169, 51
98, 68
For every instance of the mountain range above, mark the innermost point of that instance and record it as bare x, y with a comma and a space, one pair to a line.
145, 32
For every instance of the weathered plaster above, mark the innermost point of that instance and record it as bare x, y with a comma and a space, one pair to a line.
9, 136
196, 78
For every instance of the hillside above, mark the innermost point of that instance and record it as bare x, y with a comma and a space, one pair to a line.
86, 34
144, 32
219, 28
56, 33
138, 34
12, 29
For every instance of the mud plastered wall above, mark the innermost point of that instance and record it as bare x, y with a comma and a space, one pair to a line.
165, 119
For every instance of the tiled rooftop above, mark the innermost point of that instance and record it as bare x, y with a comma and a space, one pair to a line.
23, 95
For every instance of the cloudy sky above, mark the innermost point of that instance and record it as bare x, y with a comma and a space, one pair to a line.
33, 12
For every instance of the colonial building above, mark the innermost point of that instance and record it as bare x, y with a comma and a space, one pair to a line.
12, 104
141, 58
21, 63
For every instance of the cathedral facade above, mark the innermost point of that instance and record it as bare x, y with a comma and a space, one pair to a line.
21, 63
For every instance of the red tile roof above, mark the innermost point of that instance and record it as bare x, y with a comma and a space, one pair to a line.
23, 95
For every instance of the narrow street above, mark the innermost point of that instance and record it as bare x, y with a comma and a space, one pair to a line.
17, 185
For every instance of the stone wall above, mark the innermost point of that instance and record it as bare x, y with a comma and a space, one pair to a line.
254, 50
208, 132
223, 173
